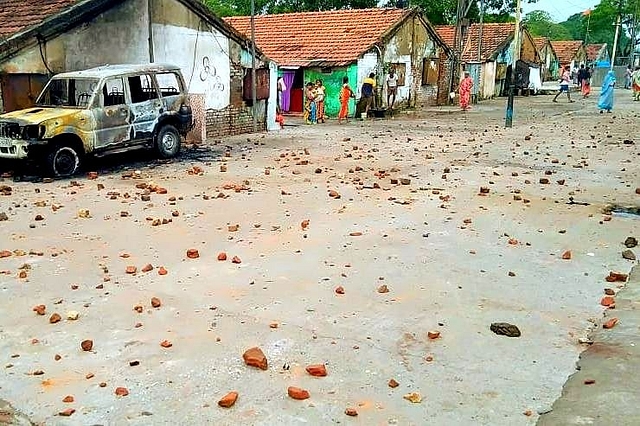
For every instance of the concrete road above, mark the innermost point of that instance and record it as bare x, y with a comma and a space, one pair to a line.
454, 259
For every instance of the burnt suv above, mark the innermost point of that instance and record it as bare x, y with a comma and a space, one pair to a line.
100, 111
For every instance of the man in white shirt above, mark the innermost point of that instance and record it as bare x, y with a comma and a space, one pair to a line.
392, 88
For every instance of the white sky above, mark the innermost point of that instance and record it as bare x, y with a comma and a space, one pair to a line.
559, 10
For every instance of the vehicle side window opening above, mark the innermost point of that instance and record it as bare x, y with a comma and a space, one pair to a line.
113, 92
142, 88
68, 93
169, 84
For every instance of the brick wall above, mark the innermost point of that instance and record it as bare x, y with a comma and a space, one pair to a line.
231, 120
236, 118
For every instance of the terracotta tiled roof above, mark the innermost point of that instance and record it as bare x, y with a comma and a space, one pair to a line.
540, 42
593, 50
566, 50
19, 15
327, 38
494, 36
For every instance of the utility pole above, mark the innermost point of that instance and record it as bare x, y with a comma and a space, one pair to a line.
615, 42
253, 66
516, 56
480, 36
458, 42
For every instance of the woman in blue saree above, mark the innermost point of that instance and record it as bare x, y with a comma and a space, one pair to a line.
606, 95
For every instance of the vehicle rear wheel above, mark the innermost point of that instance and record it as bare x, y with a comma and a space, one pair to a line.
168, 141
63, 160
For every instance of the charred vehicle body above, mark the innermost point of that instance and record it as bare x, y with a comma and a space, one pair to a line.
100, 111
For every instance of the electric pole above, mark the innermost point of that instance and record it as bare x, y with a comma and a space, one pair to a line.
253, 65
516, 56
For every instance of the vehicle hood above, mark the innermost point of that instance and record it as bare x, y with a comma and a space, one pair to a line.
37, 115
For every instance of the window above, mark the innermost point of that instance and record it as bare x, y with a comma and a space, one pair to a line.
70, 92
142, 89
168, 83
430, 71
113, 92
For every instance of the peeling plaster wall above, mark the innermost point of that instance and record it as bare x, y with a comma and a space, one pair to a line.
367, 64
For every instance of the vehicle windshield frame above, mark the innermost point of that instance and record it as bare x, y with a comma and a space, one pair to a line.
89, 104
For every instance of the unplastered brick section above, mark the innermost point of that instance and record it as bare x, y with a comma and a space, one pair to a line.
231, 121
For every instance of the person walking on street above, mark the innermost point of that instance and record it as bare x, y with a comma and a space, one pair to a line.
465, 91
605, 103
281, 88
309, 104
565, 80
392, 88
627, 77
366, 91
345, 95
586, 83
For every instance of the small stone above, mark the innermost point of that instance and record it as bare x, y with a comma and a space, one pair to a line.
222, 256
304, 224
39, 309
54, 318
166, 344
484, 190
131, 270
273, 325
254, 357
155, 302
68, 399
405, 181
162, 271
138, 308
228, 400
3, 217
355, 234
630, 242
38, 218
544, 181
334, 194
566, 255
86, 345
610, 323
351, 412
607, 301
147, 268
89, 376
589, 381
339, 290
193, 254
505, 329
134, 363
84, 214
73, 315
67, 413
120, 391
433, 334
511, 274
616, 277
298, 393
104, 385
629, 255
317, 370
609, 292
236, 260
383, 289
414, 397
393, 383
57, 357
233, 228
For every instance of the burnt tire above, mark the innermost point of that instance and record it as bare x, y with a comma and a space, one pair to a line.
168, 141
63, 161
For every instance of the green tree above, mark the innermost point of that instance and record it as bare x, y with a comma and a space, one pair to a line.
540, 24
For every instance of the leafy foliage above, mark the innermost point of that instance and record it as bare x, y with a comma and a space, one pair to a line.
540, 24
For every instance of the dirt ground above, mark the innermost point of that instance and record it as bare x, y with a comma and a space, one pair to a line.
454, 259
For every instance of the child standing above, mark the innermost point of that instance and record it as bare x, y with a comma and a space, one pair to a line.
345, 94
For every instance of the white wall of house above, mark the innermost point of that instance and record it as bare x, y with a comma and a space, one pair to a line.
202, 57
367, 64
488, 80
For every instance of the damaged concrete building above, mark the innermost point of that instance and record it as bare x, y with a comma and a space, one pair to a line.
44, 38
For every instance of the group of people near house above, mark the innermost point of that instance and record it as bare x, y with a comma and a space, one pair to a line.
315, 95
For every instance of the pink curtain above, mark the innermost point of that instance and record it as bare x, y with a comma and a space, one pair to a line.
287, 76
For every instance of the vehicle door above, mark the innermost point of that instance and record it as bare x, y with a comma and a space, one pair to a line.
146, 105
112, 113
171, 90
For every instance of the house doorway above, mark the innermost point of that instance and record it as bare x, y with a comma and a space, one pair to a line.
293, 97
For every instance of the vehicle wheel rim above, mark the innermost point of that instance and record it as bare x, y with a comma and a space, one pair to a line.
168, 141
65, 162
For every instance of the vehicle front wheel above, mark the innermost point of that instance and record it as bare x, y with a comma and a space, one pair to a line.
168, 141
63, 161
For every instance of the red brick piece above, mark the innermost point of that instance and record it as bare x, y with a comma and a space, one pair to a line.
66, 413
155, 302
254, 357
607, 301
610, 324
39, 309
86, 345
298, 393
317, 370
228, 400
147, 268
193, 254
222, 256
120, 391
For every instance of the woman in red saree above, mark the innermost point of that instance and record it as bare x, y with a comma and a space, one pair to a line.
586, 83
465, 91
